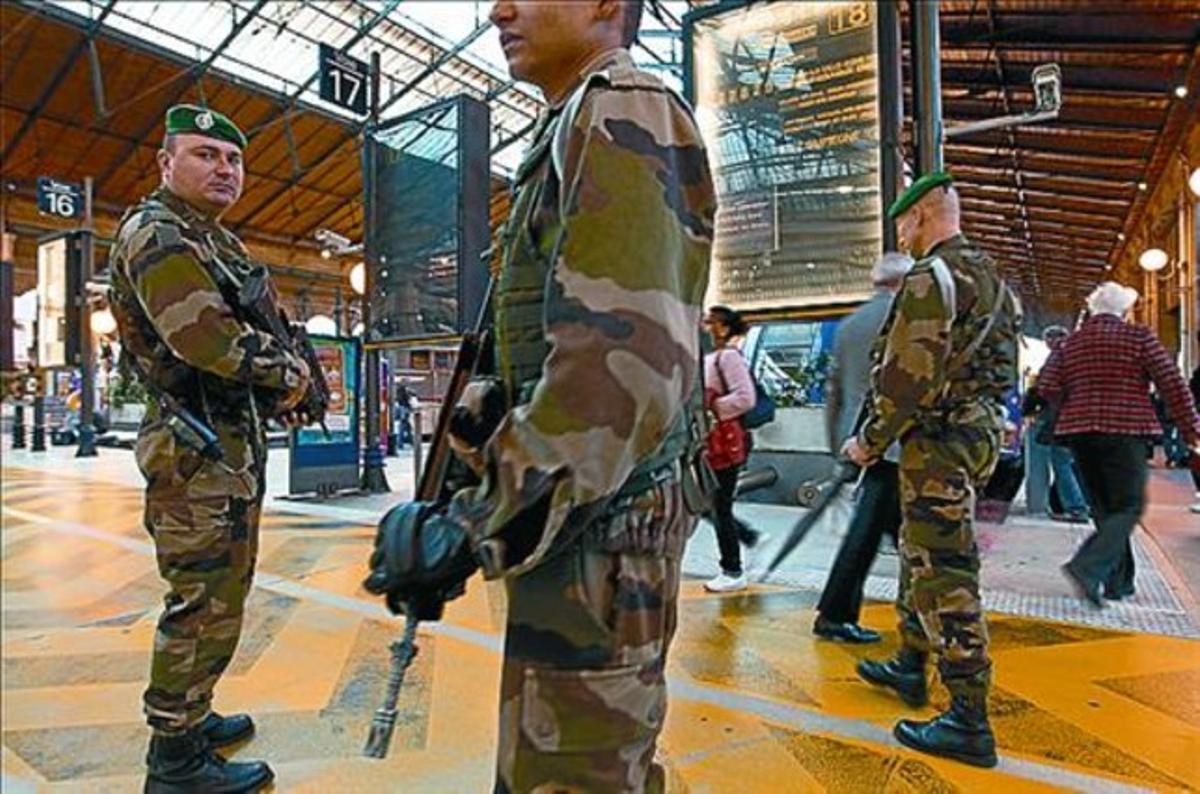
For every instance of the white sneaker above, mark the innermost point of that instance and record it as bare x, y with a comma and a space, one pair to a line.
724, 583
1196, 507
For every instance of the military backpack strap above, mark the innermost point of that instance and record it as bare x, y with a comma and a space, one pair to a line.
965, 356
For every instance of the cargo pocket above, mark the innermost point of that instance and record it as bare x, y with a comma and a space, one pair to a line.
591, 711
166, 464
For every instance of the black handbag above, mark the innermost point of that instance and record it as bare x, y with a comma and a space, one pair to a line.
1044, 425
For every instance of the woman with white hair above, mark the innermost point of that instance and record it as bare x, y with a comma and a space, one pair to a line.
1101, 377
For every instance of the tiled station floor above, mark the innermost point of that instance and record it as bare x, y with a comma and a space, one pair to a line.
757, 704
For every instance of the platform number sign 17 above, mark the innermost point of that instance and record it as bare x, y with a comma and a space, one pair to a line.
345, 81
59, 198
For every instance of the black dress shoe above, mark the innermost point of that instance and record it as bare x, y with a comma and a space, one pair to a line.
1117, 593
961, 733
844, 632
185, 764
904, 674
1088, 592
224, 731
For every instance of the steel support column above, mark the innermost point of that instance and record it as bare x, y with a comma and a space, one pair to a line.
374, 480
891, 113
927, 86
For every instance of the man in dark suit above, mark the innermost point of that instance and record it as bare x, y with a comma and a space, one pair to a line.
878, 508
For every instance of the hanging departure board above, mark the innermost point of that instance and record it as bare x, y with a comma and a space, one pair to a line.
787, 98
432, 188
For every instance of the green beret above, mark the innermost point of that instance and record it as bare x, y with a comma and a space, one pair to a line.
917, 189
203, 121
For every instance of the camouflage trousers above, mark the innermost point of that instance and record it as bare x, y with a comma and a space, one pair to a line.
204, 520
583, 688
939, 605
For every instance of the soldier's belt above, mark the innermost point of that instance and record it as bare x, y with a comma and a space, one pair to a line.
641, 484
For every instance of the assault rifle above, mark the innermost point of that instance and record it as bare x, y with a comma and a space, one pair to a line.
259, 300
429, 489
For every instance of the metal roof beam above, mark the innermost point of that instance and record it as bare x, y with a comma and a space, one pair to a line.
1067, 27
271, 117
197, 72
437, 63
55, 81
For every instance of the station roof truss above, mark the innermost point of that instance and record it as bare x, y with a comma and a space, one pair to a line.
86, 83
1056, 202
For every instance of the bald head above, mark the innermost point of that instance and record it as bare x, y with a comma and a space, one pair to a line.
935, 217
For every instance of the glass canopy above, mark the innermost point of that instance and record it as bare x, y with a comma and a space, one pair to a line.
429, 50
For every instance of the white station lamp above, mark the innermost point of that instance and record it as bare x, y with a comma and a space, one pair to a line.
102, 322
1153, 259
358, 278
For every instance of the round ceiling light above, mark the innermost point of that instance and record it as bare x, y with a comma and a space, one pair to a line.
358, 278
1194, 182
1153, 259
102, 322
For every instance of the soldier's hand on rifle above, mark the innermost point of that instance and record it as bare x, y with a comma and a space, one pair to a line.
854, 452
295, 390
295, 419
479, 411
421, 558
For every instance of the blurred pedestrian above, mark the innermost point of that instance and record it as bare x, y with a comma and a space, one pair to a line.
1047, 456
1194, 462
877, 511
1101, 377
404, 410
729, 393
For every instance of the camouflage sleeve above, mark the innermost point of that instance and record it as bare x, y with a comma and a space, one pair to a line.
185, 306
910, 374
622, 313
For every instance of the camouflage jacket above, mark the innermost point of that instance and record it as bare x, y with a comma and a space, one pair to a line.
621, 306
933, 320
177, 316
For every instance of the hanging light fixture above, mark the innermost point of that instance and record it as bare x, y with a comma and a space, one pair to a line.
358, 278
1153, 259
102, 322
1194, 182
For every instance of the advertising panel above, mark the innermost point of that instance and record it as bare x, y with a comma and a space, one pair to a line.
328, 462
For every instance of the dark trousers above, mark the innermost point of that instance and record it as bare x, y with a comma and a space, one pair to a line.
730, 532
1114, 472
877, 512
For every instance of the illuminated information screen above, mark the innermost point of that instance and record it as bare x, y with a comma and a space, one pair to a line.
787, 98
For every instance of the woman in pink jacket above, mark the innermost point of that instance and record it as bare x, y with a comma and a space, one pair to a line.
729, 393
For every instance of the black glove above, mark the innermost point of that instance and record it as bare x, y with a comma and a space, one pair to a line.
480, 410
421, 558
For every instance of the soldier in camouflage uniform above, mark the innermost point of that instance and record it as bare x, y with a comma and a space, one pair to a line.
581, 509
946, 356
175, 272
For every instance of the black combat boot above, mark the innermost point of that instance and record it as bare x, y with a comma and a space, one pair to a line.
184, 764
904, 673
224, 731
961, 733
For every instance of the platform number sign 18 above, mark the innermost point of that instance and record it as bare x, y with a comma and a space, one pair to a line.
344, 80
59, 198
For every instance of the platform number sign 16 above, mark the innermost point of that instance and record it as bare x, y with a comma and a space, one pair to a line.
59, 198
344, 80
